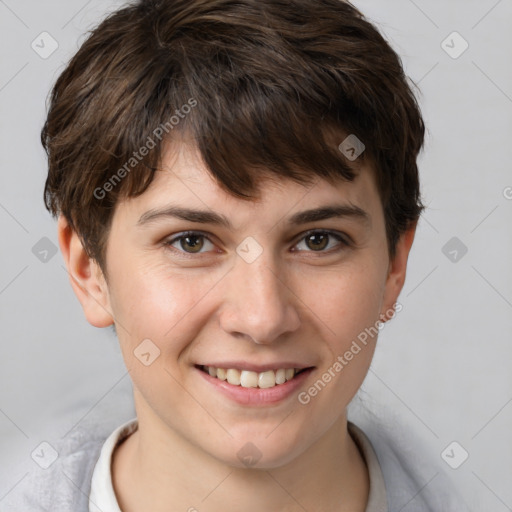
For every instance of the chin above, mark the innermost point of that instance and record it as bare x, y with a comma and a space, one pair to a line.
257, 453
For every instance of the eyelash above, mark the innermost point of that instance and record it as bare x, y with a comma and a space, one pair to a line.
343, 240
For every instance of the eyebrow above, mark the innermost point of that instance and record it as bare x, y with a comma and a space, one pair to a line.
210, 217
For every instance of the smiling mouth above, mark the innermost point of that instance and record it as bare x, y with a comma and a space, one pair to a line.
250, 379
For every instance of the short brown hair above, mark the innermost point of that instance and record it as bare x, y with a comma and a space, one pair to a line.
266, 84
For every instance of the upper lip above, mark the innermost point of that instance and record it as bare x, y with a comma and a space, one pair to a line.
258, 368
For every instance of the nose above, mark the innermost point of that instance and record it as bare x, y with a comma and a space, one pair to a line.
257, 302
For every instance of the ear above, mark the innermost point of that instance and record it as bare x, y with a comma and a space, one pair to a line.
86, 277
396, 273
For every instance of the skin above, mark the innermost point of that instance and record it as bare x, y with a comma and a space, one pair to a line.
292, 302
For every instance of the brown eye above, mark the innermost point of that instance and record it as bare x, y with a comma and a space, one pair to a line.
190, 243
322, 242
317, 241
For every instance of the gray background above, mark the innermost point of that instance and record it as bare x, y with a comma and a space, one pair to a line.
442, 367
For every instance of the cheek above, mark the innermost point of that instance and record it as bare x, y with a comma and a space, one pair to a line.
346, 313
158, 303
164, 309
346, 300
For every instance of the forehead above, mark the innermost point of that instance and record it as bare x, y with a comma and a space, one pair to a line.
184, 181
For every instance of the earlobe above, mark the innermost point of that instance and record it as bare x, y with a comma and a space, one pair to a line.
396, 274
85, 276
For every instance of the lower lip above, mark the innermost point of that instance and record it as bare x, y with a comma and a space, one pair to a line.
257, 396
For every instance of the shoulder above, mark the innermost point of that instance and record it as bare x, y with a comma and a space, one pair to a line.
65, 484
414, 479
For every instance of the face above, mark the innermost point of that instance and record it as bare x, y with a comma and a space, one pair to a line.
198, 278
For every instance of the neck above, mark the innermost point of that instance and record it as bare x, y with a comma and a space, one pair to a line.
156, 469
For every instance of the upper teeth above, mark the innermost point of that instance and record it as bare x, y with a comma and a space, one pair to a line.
249, 379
